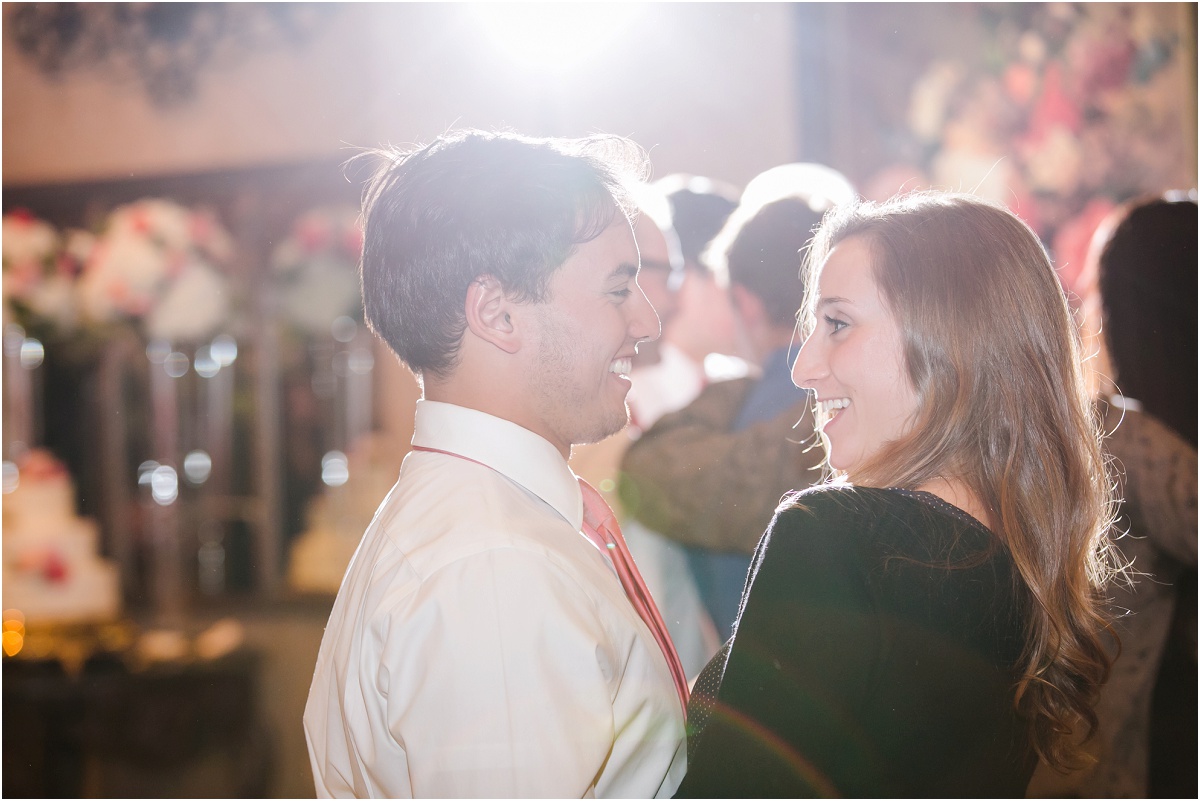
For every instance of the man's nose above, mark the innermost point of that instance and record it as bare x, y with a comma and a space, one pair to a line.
643, 320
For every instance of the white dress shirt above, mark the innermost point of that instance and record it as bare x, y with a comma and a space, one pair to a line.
671, 383
480, 645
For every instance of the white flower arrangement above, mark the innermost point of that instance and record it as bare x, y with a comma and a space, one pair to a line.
157, 262
40, 265
316, 269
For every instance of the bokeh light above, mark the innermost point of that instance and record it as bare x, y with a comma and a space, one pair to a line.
14, 336
14, 631
224, 350
164, 485
14, 641
158, 351
197, 466
176, 364
32, 353
206, 366
335, 469
344, 329
145, 471
361, 361
12, 477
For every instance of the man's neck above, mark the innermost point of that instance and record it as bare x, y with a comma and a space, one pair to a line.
490, 397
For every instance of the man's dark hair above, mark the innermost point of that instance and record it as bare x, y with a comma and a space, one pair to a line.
763, 254
474, 203
699, 207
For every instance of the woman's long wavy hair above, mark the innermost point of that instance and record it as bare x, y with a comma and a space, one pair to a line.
994, 357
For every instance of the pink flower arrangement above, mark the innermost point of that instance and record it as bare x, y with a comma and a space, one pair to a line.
1081, 110
159, 264
40, 267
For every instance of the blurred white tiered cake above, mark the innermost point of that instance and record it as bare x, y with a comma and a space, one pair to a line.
52, 571
338, 517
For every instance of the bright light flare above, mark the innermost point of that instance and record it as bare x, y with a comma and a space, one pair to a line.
822, 186
554, 36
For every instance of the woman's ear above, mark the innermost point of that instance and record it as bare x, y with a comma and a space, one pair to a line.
489, 314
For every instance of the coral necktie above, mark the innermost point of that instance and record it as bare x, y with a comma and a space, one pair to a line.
600, 525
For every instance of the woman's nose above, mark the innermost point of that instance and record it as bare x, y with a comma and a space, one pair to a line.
805, 371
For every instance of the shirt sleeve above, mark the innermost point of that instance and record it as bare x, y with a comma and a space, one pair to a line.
702, 484
497, 682
783, 719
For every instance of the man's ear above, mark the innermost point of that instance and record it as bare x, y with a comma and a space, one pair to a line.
489, 314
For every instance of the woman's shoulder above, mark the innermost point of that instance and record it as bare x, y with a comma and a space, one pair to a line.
847, 503
884, 522
916, 554
834, 516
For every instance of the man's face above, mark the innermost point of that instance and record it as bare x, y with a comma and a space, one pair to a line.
583, 340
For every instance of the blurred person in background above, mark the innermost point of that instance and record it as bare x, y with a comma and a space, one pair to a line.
1140, 297
710, 475
704, 330
664, 379
491, 638
927, 621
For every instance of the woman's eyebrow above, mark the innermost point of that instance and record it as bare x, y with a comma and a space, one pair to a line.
832, 299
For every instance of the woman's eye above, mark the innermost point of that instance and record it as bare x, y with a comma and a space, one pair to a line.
835, 324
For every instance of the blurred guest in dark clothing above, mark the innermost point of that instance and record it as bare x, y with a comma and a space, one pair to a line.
1141, 294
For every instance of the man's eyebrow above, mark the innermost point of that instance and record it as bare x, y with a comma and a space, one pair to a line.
624, 270
654, 264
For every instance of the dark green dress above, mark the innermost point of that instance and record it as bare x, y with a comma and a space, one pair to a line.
873, 657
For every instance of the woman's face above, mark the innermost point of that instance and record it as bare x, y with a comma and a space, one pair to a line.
854, 361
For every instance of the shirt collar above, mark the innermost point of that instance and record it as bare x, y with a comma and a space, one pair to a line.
515, 452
